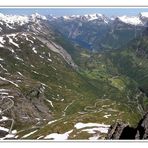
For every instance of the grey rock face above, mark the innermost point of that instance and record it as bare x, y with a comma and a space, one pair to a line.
142, 128
124, 131
116, 130
58, 49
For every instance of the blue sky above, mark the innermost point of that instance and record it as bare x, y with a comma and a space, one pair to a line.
72, 11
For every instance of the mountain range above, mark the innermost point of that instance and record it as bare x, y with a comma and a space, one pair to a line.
71, 77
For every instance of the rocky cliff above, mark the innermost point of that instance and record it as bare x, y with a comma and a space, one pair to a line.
125, 132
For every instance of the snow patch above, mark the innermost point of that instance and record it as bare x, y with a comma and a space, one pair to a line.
81, 125
3, 67
25, 117
34, 37
94, 130
20, 73
4, 129
49, 54
11, 41
49, 60
50, 102
1, 89
4, 118
4, 79
35, 72
40, 137
95, 137
41, 56
1, 45
106, 116
32, 66
34, 50
56, 136
19, 58
14, 132
27, 39
50, 122
2, 41
1, 59
3, 93
27, 135
10, 49
10, 96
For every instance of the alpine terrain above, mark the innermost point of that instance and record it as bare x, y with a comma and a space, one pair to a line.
72, 77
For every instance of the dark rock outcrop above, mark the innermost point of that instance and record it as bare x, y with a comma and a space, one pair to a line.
121, 131
125, 132
3, 133
142, 128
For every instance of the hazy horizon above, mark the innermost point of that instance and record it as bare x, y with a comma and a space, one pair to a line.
74, 11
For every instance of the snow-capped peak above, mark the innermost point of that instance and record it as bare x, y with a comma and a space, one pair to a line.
38, 16
132, 20
71, 17
11, 19
66, 17
95, 16
19, 19
86, 17
144, 14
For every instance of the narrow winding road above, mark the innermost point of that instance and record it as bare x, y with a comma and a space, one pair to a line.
11, 104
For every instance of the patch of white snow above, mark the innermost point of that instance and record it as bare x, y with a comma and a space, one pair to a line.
56, 136
81, 125
50, 102
34, 50
27, 135
106, 116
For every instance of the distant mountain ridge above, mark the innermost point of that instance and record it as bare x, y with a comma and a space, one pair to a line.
138, 20
98, 32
